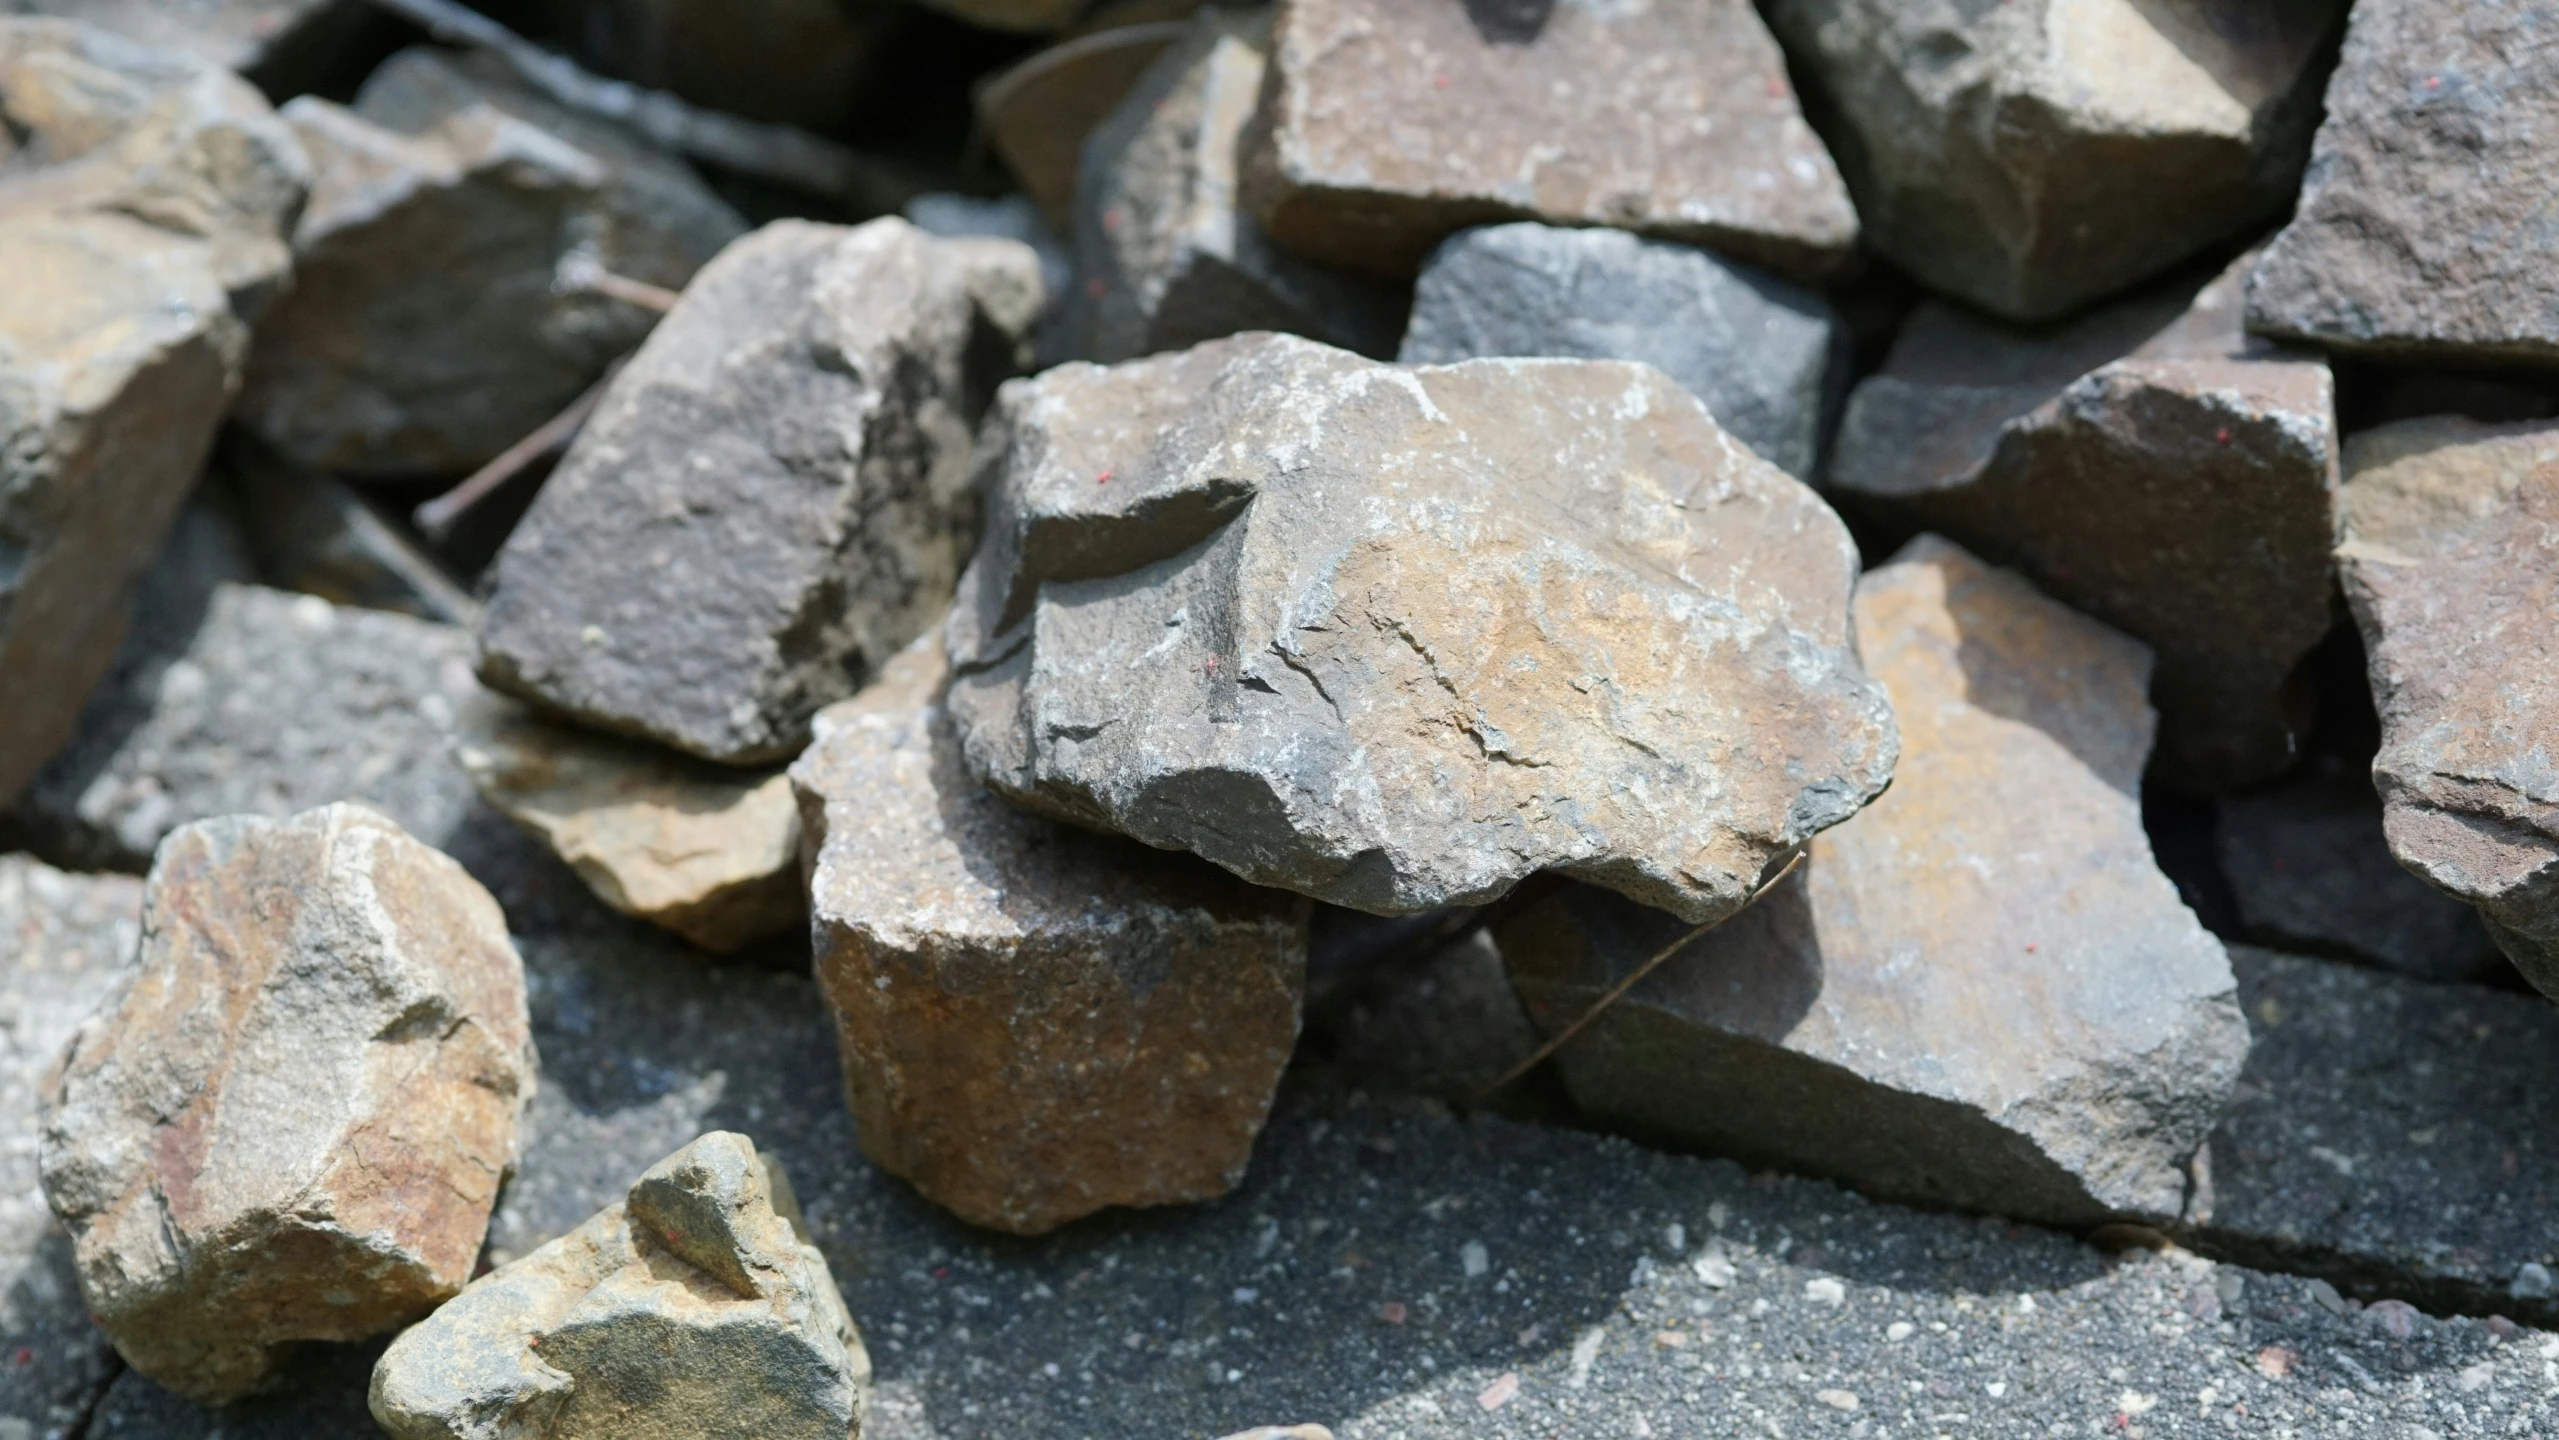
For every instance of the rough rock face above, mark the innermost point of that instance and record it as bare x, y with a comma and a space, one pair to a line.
142, 197
789, 453
2453, 581
425, 332
1397, 638
292, 1124
2424, 226
1036, 1022
1980, 992
695, 1307
1169, 255
1388, 126
1766, 356
2150, 465
2031, 157
710, 853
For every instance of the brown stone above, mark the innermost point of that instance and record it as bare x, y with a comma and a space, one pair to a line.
1038, 113
1036, 1022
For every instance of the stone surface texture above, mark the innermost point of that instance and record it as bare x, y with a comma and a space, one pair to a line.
788, 454
1767, 356
695, 1307
426, 331
1036, 1022
1981, 991
2453, 579
2032, 157
709, 852
1038, 113
2148, 464
2424, 228
1388, 126
143, 200
293, 1121
1397, 638
242, 35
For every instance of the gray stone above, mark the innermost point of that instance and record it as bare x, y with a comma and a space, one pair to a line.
426, 331
1398, 638
291, 1124
1767, 357
311, 533
2150, 465
1168, 255
2032, 157
2424, 229
244, 35
774, 496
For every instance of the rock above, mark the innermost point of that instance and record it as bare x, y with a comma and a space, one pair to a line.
2150, 465
267, 40
142, 196
312, 534
1767, 357
787, 461
426, 331
697, 1306
1038, 113
1012, 217
1398, 638
2423, 229
2030, 158
1389, 126
1168, 254
709, 852
1843, 1024
1036, 1023
2446, 568
293, 1122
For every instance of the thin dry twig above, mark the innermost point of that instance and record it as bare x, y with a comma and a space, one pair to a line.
436, 518
579, 270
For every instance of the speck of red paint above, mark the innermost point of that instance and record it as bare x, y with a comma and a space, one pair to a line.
26, 1356
2221, 435
1095, 288
1776, 88
1439, 82
2030, 949
2434, 82
1105, 477
941, 1272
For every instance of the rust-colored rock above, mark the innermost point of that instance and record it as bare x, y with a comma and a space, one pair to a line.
1038, 113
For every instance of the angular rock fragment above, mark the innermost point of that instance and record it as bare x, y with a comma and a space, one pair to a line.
2031, 157
2148, 464
2452, 579
1036, 1022
1169, 256
1767, 357
1038, 114
426, 331
1397, 638
774, 496
291, 1125
709, 852
2424, 226
1981, 991
696, 1306
313, 534
1389, 126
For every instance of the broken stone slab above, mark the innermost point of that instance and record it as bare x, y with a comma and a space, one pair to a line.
1979, 992
313, 534
427, 330
773, 498
1398, 638
694, 1306
2030, 158
1037, 1023
2148, 464
1389, 126
2451, 580
292, 1123
1038, 113
706, 851
1168, 255
1768, 357
2423, 227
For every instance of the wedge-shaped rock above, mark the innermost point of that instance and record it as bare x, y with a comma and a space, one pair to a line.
694, 1307
2453, 580
2424, 227
1397, 638
2030, 157
1037, 114
428, 329
1036, 1022
709, 852
774, 496
1387, 126
291, 1125
1981, 992
2149, 464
